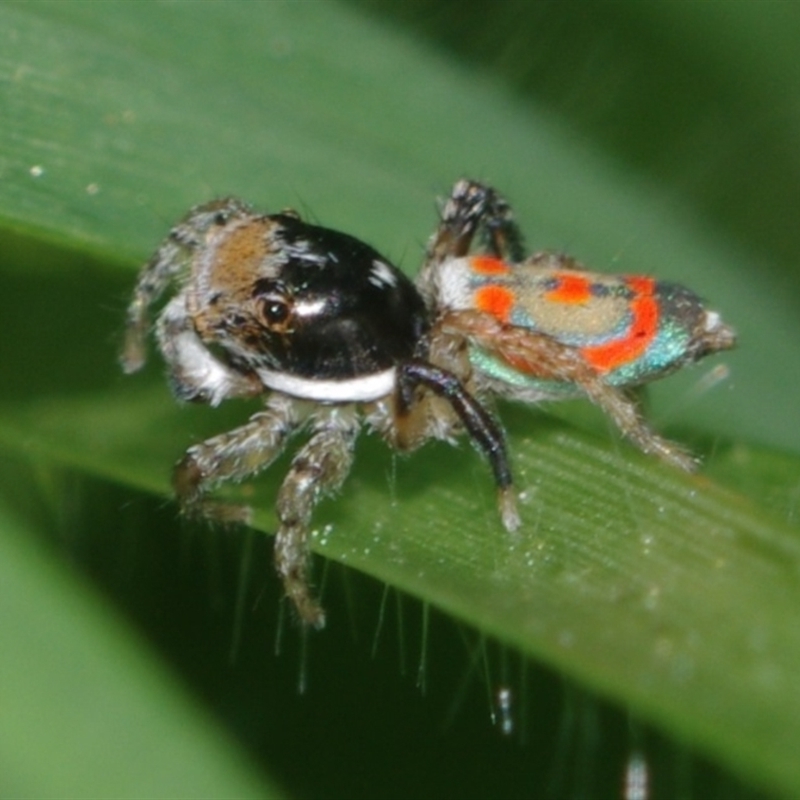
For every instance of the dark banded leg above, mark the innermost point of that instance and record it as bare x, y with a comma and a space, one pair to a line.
483, 429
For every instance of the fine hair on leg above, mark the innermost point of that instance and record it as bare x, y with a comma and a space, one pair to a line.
318, 470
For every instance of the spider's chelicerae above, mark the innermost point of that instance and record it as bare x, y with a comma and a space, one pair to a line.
334, 336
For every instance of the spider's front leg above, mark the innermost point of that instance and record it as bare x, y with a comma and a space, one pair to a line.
168, 262
319, 469
233, 456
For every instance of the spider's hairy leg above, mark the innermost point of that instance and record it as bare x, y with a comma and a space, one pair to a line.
233, 456
167, 263
542, 356
625, 413
482, 428
318, 469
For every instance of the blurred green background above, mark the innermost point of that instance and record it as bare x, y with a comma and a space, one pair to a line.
138, 653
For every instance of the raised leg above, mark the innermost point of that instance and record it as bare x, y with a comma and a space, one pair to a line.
233, 456
319, 469
471, 209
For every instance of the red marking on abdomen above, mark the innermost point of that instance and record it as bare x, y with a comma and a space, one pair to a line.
489, 265
641, 284
571, 289
643, 329
495, 300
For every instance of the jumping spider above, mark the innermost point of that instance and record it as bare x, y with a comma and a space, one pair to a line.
334, 336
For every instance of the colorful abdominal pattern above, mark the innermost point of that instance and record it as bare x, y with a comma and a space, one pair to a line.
612, 321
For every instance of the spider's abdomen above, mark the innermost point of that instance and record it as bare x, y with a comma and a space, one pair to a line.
630, 329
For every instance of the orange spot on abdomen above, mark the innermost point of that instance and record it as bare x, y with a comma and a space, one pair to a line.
489, 265
571, 289
495, 300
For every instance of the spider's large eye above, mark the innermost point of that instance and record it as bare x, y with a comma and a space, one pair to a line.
274, 311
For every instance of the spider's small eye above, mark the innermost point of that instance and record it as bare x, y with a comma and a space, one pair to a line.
274, 311
221, 218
